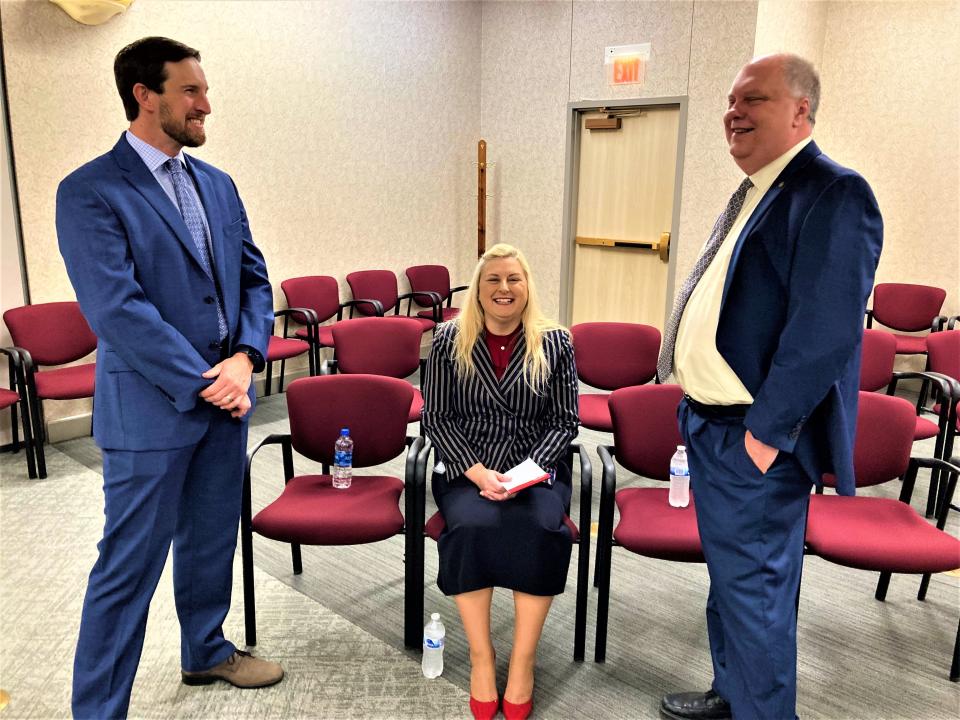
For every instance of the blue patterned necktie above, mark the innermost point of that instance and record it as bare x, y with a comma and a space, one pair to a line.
720, 231
193, 217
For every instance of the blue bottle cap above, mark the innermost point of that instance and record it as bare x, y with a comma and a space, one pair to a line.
345, 431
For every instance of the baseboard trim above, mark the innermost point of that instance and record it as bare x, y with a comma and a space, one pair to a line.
76, 426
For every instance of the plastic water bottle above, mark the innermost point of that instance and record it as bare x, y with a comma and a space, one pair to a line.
679, 478
433, 634
343, 460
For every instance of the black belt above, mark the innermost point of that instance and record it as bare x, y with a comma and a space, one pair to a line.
720, 411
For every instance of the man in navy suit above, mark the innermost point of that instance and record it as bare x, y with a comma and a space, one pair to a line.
159, 252
765, 341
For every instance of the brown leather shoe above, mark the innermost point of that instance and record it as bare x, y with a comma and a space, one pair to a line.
241, 670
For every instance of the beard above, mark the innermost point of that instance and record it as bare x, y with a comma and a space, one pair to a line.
179, 130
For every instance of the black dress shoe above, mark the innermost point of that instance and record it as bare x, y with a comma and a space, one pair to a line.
695, 706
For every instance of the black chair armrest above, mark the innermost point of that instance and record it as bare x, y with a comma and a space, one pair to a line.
869, 314
952, 470
411, 297
942, 382
938, 323
952, 322
458, 288
309, 319
608, 489
13, 353
377, 307
586, 490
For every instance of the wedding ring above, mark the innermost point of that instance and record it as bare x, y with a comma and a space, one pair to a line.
229, 398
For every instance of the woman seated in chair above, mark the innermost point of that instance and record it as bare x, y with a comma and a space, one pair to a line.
500, 387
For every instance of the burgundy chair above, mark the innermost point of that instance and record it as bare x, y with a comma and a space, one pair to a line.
645, 435
321, 294
13, 396
381, 285
907, 308
876, 373
309, 510
943, 353
436, 525
381, 346
431, 283
610, 356
882, 534
282, 348
53, 334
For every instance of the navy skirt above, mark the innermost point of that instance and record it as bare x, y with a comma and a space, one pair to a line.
521, 544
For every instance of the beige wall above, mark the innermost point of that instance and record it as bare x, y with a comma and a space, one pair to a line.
537, 56
349, 127
890, 109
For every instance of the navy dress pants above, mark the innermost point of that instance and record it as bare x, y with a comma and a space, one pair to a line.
190, 496
752, 528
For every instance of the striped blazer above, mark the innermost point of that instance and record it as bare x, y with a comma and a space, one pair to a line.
499, 423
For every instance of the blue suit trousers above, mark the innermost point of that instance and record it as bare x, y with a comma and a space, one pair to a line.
752, 528
189, 496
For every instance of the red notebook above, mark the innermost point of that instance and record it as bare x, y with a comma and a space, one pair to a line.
524, 475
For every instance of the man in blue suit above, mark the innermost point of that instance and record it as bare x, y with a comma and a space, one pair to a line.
765, 340
159, 252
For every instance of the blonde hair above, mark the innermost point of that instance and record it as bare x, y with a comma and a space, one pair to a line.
470, 322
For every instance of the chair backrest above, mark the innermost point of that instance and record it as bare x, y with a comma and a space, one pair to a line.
378, 346
613, 355
884, 439
319, 293
54, 333
907, 307
373, 285
876, 359
375, 409
943, 351
645, 428
429, 278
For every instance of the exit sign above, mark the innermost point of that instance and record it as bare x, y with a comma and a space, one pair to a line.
626, 64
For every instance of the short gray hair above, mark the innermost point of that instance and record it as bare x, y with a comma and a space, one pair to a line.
803, 81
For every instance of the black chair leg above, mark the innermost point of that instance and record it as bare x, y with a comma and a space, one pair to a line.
580, 611
297, 559
924, 584
283, 370
39, 436
955, 665
603, 603
249, 599
268, 380
882, 585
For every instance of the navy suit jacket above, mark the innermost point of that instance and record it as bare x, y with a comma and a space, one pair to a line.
791, 318
142, 288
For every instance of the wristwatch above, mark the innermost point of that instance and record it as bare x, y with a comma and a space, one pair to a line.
255, 358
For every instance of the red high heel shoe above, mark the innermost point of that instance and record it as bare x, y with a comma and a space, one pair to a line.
484, 710
517, 711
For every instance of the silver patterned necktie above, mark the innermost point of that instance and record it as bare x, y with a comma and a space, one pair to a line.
192, 215
720, 231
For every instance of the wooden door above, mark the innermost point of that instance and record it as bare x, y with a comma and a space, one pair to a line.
624, 213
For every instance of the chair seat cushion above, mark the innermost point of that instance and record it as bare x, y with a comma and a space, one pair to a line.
416, 407
446, 313
650, 526
911, 344
925, 429
425, 322
324, 334
595, 412
311, 511
285, 348
436, 525
67, 383
880, 534
8, 398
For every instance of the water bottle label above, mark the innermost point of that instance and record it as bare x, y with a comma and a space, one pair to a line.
433, 644
681, 472
342, 458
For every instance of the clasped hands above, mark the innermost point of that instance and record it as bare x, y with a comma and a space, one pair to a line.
490, 483
229, 390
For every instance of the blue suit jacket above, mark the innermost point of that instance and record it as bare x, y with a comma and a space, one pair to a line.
140, 284
791, 319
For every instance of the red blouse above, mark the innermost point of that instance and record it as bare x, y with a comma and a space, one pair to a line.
501, 347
